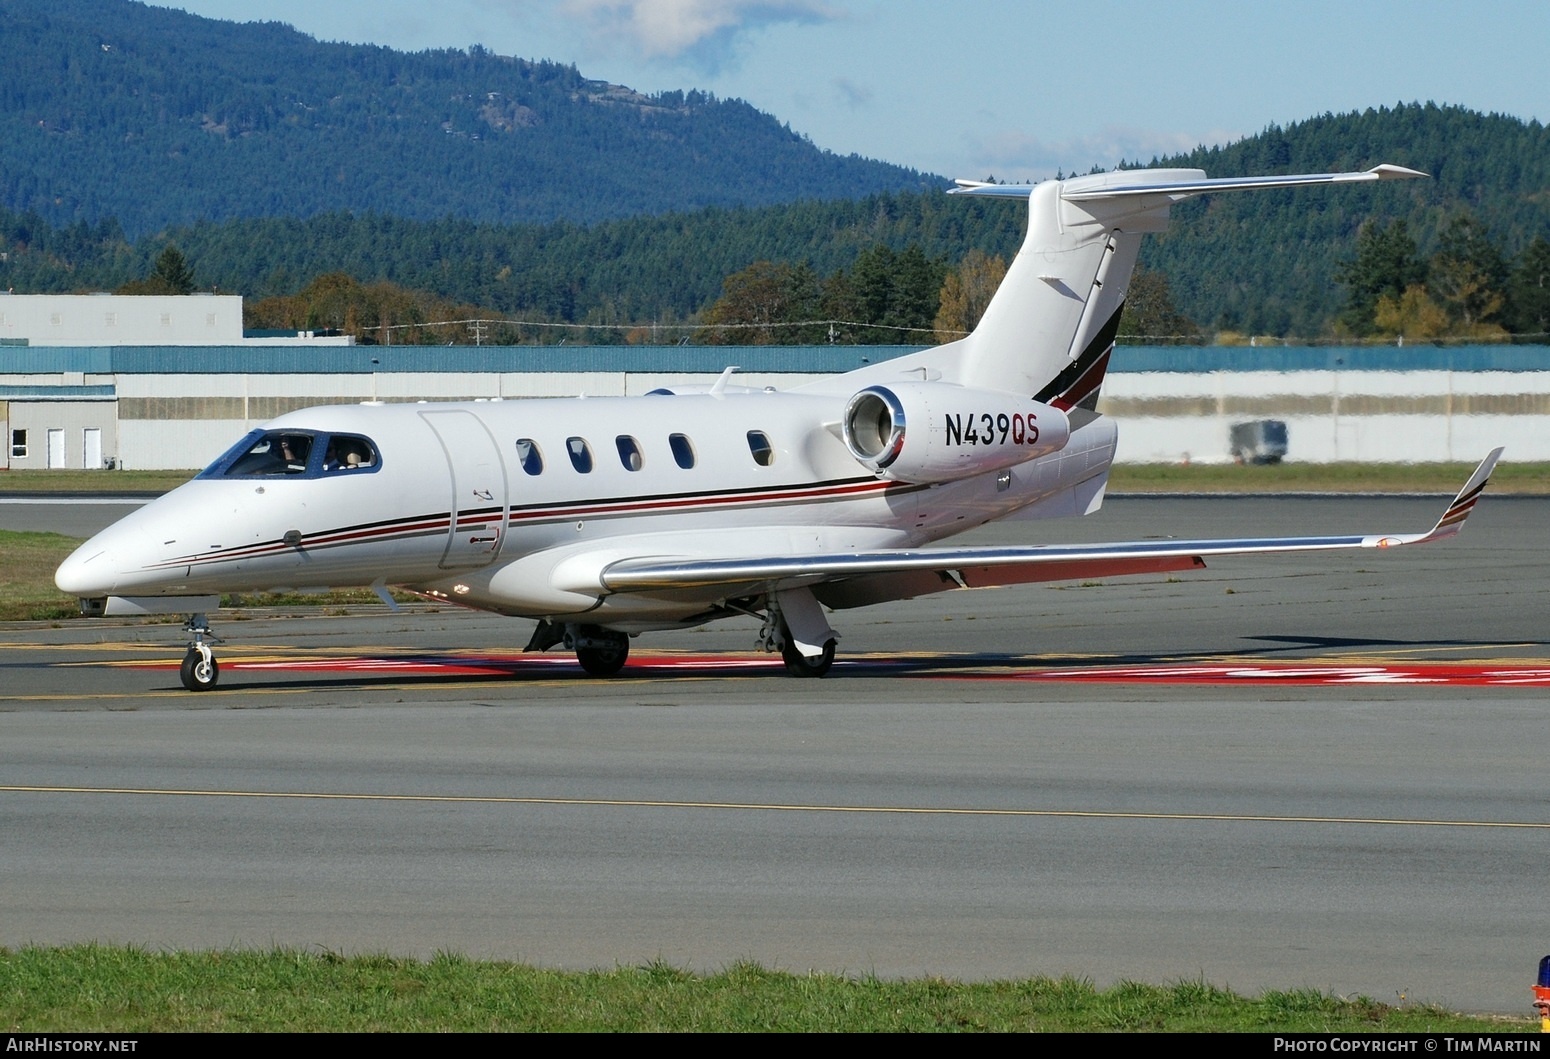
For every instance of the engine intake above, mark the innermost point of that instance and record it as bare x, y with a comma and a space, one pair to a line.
929, 432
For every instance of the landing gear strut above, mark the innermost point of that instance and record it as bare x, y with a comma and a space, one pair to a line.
199, 670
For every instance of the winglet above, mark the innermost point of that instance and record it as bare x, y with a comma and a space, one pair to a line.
1464, 503
1388, 171
1453, 519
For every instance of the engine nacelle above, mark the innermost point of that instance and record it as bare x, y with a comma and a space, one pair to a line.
938, 432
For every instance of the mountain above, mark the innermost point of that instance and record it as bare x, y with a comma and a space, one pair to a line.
1263, 263
156, 117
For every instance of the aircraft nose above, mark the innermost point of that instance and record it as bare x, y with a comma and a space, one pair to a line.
89, 571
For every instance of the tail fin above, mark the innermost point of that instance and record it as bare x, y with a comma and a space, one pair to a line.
1050, 328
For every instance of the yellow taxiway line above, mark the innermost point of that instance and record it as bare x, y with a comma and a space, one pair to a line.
796, 807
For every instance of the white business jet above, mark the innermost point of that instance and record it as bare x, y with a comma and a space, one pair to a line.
605, 518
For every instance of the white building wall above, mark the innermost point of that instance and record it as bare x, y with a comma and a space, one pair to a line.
185, 421
176, 444
122, 319
1421, 416
72, 419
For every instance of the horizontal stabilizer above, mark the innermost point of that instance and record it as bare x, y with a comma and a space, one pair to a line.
1184, 183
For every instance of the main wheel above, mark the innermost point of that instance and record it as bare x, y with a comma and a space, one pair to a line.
196, 673
799, 665
605, 660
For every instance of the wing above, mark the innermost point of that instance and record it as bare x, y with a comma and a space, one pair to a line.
859, 578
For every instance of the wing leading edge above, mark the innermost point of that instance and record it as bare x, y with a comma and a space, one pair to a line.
863, 577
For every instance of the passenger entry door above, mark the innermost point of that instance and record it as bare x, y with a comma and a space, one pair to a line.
478, 488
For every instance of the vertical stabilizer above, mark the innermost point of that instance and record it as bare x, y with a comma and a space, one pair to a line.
1050, 328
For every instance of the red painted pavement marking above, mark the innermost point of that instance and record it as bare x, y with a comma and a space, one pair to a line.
1302, 673
1273, 674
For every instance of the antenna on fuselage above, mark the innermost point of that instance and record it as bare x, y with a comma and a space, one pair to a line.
719, 387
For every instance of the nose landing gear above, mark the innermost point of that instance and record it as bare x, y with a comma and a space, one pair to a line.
199, 670
601, 652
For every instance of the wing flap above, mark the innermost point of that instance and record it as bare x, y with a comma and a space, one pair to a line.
882, 588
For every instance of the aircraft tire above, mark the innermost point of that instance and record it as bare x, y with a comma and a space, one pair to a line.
197, 676
604, 661
799, 665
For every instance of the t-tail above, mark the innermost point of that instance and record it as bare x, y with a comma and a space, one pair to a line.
1050, 329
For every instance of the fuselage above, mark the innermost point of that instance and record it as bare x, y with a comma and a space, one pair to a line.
511, 506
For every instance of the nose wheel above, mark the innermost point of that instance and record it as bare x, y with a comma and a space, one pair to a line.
601, 652
199, 670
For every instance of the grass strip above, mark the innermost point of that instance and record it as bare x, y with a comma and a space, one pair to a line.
125, 989
27, 592
28, 560
104, 483
1445, 478
27, 565
1125, 477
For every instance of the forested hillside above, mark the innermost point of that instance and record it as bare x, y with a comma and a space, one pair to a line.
639, 270
155, 117
1265, 262
1268, 263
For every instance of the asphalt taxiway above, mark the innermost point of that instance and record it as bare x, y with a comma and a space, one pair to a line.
1318, 771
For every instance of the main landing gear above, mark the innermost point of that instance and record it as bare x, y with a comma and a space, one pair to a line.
601, 652
800, 665
199, 670
799, 649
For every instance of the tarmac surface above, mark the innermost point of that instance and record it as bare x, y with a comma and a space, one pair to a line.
1317, 771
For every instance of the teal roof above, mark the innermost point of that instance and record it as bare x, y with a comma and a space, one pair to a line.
270, 360
56, 393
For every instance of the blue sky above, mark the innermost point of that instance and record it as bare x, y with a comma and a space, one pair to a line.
1017, 90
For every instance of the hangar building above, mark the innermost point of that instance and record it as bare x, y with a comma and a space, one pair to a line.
114, 401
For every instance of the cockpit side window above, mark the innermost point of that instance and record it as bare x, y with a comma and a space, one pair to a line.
295, 454
349, 453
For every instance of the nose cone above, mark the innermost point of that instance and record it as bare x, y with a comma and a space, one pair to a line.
89, 571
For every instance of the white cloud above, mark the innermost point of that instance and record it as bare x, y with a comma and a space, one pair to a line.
850, 93
1017, 155
697, 29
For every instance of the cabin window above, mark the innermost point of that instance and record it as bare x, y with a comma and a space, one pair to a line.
18, 444
759, 445
683, 450
629, 452
529, 456
580, 454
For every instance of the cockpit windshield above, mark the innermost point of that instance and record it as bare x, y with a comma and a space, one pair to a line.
296, 453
